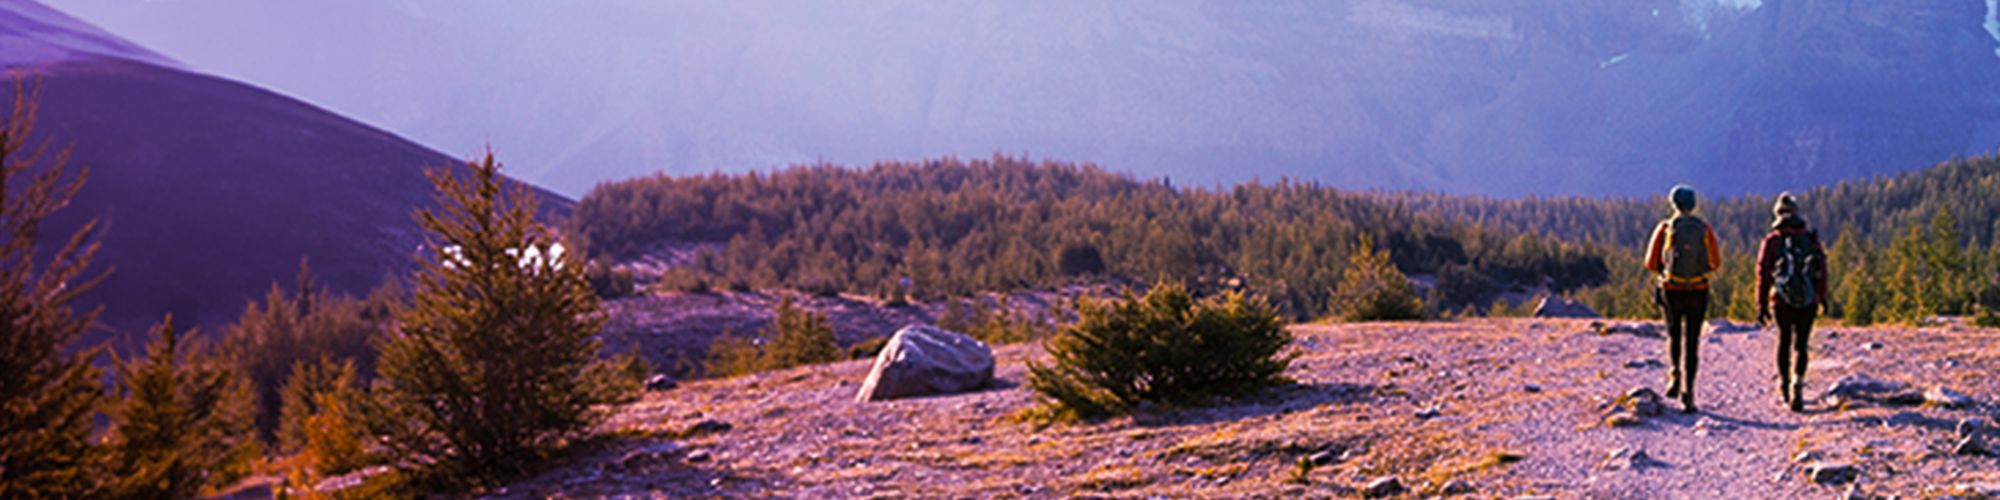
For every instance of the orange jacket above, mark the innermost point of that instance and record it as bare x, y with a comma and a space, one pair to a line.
1657, 263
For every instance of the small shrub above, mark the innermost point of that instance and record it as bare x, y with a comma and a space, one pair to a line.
1164, 348
182, 421
609, 281
321, 420
1372, 289
796, 337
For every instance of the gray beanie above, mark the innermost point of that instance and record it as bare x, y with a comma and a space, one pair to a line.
1786, 205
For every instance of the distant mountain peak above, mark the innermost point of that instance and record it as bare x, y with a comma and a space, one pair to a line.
32, 34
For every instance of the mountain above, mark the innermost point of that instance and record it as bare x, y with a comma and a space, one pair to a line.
210, 191
1467, 96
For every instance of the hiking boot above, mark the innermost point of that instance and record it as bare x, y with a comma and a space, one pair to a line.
1798, 397
1687, 402
1673, 385
1785, 391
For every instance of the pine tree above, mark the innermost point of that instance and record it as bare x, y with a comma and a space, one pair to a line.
496, 362
1372, 289
1165, 348
48, 395
322, 425
799, 337
182, 421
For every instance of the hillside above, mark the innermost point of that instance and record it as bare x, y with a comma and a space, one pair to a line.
210, 191
1518, 406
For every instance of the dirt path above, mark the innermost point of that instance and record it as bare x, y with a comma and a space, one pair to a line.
1490, 408
1737, 446
1743, 441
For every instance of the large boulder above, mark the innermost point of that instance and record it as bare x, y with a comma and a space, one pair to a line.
922, 360
1558, 307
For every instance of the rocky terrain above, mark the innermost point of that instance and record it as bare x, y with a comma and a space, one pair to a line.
1481, 408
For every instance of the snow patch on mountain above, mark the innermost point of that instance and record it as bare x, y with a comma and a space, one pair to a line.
34, 34
1993, 22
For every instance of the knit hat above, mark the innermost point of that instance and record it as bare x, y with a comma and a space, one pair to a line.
1683, 197
1786, 205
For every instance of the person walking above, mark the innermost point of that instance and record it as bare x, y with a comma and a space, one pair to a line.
1683, 252
1791, 279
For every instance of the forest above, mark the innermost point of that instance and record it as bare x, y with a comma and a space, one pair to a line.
955, 227
1903, 247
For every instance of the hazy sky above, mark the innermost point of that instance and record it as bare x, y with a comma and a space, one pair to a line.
1458, 95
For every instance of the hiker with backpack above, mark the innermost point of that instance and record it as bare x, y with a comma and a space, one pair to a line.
1683, 252
1791, 278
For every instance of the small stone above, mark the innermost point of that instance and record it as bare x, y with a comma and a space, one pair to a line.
659, 382
1320, 458
698, 456
1970, 425
1455, 487
1621, 419
1831, 472
1531, 389
1854, 493
707, 426
1946, 397
1805, 456
1383, 487
1872, 346
1858, 384
1629, 458
1428, 412
1558, 307
1970, 447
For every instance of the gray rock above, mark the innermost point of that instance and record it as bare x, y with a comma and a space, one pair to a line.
921, 360
1805, 456
1630, 458
1970, 426
707, 426
1320, 458
1872, 346
1641, 401
659, 382
1946, 397
1971, 447
1647, 330
698, 456
1832, 472
1854, 493
1863, 386
1622, 419
1455, 487
1383, 487
1644, 363
1721, 325
1428, 412
1558, 307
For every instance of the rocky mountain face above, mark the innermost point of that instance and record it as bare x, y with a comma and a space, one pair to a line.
210, 191
1506, 98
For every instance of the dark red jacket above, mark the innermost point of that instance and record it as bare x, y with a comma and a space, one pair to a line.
1767, 261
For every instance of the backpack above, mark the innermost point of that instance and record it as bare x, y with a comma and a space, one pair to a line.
1793, 279
1687, 250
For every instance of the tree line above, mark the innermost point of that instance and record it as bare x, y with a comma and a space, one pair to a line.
948, 227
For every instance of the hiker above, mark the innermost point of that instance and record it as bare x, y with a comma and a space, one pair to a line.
1791, 278
1683, 252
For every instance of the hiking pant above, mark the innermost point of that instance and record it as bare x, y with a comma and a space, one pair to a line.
1685, 312
1794, 333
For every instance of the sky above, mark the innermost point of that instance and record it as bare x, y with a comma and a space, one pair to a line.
1454, 95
